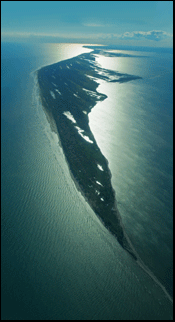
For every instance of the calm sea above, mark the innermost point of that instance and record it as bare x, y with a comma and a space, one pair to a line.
134, 129
58, 261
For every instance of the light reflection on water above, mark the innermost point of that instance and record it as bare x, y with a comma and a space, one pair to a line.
59, 261
130, 132
64, 51
51, 53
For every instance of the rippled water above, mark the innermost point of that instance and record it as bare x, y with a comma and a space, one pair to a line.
58, 261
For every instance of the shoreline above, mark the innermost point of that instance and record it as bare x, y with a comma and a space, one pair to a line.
138, 259
64, 119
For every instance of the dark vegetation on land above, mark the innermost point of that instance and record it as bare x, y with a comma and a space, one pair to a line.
70, 86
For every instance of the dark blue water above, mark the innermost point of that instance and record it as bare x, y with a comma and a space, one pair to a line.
58, 261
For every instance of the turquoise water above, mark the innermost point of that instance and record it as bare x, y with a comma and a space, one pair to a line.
58, 261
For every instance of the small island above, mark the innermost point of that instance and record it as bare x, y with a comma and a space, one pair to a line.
68, 92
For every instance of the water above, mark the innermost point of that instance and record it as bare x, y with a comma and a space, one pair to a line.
58, 261
137, 141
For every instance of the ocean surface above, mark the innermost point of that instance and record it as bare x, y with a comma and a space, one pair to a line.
58, 260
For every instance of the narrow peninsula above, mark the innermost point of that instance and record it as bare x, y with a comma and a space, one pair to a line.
68, 91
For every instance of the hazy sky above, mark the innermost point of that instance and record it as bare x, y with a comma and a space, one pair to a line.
140, 23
